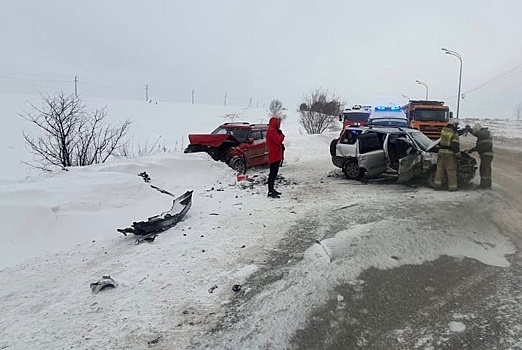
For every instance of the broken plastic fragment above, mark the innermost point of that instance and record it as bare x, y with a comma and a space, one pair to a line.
104, 283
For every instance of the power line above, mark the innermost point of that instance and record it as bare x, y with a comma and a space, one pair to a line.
34, 80
77, 82
515, 70
495, 80
113, 87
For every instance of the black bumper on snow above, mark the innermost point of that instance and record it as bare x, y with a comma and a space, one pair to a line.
164, 221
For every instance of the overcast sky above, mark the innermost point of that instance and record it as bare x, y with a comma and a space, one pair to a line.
367, 52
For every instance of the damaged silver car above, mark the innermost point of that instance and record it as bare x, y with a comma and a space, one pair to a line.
407, 153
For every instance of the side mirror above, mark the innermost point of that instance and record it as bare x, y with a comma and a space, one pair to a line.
250, 140
451, 115
340, 117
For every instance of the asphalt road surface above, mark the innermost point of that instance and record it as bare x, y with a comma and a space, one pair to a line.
507, 182
448, 303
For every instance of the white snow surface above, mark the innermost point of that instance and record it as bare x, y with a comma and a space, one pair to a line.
59, 235
457, 327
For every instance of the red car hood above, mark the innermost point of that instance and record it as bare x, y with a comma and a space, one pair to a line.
211, 140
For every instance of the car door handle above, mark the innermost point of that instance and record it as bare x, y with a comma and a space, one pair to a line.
363, 158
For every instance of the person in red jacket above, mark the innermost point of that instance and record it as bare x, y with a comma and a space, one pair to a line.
274, 144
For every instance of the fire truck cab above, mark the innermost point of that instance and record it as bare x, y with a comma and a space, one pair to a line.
357, 115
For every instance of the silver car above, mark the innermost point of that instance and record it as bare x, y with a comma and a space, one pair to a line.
407, 153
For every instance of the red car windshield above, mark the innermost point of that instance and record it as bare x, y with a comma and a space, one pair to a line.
238, 133
356, 116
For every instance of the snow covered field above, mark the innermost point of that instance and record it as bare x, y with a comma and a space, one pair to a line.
59, 234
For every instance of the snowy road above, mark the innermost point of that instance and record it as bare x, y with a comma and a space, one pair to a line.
404, 268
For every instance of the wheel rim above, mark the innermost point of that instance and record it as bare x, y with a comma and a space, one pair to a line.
351, 169
240, 166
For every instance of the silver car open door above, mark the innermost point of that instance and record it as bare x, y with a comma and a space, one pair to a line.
408, 165
370, 154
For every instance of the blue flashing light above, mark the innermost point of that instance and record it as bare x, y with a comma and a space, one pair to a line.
382, 108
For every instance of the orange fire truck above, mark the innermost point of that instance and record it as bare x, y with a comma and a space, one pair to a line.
427, 116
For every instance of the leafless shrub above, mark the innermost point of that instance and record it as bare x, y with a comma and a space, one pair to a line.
141, 149
319, 111
231, 117
276, 109
71, 134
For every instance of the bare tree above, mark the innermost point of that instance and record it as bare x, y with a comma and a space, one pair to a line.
71, 135
319, 111
518, 111
276, 108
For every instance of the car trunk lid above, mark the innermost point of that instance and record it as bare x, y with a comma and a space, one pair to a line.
212, 140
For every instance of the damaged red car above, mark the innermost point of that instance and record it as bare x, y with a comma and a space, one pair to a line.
241, 145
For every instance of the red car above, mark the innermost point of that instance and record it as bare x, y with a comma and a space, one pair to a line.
241, 145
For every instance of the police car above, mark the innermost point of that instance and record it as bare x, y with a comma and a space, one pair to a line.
392, 116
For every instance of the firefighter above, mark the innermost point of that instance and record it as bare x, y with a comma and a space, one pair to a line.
447, 158
484, 147
274, 143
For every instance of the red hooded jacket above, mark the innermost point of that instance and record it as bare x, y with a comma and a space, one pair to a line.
274, 141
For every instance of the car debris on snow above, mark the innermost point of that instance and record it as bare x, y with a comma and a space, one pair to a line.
148, 230
345, 206
145, 176
154, 341
106, 282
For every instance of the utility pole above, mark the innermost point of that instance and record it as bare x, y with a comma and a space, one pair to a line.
250, 102
147, 92
193, 92
225, 99
76, 85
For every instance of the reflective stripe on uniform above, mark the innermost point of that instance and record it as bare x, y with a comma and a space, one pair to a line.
446, 151
446, 133
446, 136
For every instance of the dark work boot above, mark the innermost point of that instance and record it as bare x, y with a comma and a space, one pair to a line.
273, 195
276, 192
